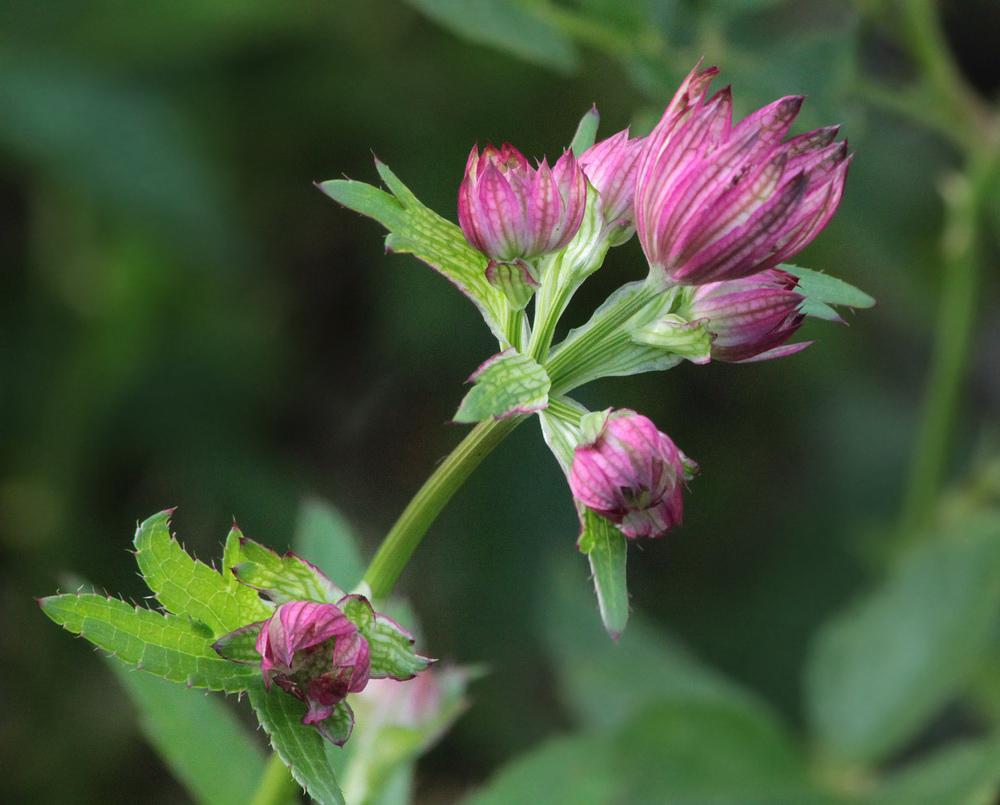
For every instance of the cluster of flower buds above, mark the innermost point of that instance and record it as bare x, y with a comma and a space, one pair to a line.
320, 644
717, 208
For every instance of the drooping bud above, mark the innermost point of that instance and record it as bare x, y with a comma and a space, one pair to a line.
513, 213
750, 318
717, 202
611, 167
632, 474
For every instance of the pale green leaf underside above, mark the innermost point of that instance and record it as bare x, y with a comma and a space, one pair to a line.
606, 548
823, 291
415, 229
301, 747
169, 646
508, 383
180, 723
185, 586
392, 653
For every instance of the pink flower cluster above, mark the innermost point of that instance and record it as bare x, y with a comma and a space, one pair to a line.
712, 203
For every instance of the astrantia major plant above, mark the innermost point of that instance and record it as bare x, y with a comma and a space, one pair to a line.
718, 208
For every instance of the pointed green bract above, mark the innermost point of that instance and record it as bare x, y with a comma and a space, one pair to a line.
169, 646
185, 586
246, 596
415, 229
240, 645
284, 578
360, 613
300, 746
586, 132
392, 653
508, 383
822, 291
606, 548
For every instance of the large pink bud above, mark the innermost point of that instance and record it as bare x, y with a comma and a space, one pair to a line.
717, 202
632, 474
611, 167
510, 211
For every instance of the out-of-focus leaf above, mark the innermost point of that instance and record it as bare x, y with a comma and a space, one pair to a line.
880, 670
299, 746
506, 384
967, 774
185, 586
415, 229
324, 538
504, 24
571, 770
169, 646
605, 683
123, 144
703, 753
180, 723
606, 549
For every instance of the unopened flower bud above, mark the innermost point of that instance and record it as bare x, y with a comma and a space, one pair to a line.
632, 474
611, 167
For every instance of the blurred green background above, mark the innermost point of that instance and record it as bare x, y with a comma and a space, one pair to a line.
186, 321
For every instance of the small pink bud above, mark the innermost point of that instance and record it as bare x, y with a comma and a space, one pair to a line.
611, 167
314, 652
717, 202
632, 474
509, 210
751, 318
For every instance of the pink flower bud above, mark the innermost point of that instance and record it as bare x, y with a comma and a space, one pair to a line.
751, 318
632, 474
314, 652
718, 202
509, 210
611, 167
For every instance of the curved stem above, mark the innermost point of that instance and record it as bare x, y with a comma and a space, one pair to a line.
404, 537
276, 784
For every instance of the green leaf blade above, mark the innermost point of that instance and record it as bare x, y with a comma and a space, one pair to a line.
606, 549
161, 644
508, 383
299, 746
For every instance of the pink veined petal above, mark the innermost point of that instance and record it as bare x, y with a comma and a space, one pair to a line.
769, 125
499, 212
543, 208
777, 352
572, 187
746, 249
820, 210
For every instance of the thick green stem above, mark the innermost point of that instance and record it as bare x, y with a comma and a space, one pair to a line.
569, 365
404, 537
965, 201
276, 784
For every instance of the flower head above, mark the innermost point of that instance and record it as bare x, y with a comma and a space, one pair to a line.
717, 202
611, 167
750, 318
316, 653
510, 211
632, 474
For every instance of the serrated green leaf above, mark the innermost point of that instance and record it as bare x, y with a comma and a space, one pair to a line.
882, 669
324, 535
231, 556
284, 578
240, 645
299, 746
180, 723
161, 644
187, 587
506, 25
508, 383
415, 229
822, 291
392, 653
606, 549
